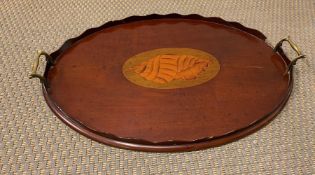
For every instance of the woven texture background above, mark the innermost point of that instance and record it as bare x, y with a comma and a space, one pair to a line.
33, 140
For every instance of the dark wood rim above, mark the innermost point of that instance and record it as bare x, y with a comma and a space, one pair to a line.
174, 145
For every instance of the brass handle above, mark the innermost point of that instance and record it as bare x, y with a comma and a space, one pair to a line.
34, 73
294, 47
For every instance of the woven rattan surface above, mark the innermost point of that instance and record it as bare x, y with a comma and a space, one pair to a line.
34, 141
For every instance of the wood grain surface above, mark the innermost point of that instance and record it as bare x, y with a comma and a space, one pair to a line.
88, 86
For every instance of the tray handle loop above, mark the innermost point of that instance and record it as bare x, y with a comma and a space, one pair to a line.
295, 48
35, 65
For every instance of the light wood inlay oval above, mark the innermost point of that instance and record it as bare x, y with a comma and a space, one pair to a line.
170, 68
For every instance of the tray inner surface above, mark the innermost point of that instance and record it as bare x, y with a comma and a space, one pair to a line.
87, 82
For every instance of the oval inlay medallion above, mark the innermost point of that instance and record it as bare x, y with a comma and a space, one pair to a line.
170, 68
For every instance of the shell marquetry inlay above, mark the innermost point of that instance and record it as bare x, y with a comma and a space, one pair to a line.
171, 68
166, 68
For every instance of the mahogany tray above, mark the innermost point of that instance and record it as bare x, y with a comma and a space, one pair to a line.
167, 83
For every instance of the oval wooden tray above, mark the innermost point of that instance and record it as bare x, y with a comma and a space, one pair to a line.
85, 85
